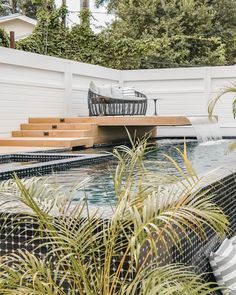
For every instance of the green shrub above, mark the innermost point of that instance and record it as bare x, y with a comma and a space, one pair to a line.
4, 38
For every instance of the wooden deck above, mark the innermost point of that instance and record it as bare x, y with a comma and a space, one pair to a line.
86, 131
119, 120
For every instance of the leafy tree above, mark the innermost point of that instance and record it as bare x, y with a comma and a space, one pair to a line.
26, 7
50, 35
187, 23
111, 4
4, 38
200, 25
146, 34
224, 26
4, 8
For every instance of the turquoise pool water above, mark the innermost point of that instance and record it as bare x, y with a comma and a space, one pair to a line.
100, 190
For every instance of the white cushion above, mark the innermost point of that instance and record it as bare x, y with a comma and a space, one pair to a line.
116, 92
128, 91
233, 240
93, 87
105, 90
223, 263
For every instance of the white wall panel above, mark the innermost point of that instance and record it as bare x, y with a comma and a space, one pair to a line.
186, 92
80, 83
35, 85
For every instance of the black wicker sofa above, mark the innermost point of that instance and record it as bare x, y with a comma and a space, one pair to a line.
108, 100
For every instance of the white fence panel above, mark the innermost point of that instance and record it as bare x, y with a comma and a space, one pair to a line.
33, 85
187, 92
82, 75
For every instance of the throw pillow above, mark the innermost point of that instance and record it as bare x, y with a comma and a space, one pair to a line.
223, 263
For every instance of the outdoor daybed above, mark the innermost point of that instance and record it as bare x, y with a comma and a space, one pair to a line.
112, 100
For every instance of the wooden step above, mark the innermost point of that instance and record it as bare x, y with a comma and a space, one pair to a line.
52, 133
47, 142
120, 120
46, 120
62, 120
57, 126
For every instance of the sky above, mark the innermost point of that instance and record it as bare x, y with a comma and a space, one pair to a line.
100, 15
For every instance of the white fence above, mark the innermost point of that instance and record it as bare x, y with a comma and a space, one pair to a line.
187, 91
33, 85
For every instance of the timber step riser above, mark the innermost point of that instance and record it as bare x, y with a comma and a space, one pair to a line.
61, 120
52, 133
117, 120
85, 131
59, 126
55, 142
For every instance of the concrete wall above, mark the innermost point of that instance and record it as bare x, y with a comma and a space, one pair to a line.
35, 85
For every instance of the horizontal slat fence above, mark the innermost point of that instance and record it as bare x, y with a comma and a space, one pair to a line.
33, 85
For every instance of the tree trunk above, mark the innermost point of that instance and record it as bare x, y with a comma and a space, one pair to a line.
14, 6
64, 15
84, 13
84, 4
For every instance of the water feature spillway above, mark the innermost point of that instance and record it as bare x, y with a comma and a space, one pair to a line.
207, 130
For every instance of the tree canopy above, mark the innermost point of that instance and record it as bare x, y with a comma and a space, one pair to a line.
4, 39
25, 7
145, 34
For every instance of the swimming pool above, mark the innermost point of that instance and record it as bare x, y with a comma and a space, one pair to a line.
100, 190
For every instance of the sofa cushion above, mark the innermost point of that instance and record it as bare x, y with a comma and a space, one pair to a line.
128, 91
105, 90
223, 263
116, 92
233, 240
93, 87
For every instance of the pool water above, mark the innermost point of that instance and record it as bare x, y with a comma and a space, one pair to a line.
100, 190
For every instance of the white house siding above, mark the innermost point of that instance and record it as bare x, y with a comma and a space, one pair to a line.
33, 85
21, 28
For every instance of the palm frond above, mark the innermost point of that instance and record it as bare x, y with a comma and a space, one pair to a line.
213, 102
169, 280
88, 254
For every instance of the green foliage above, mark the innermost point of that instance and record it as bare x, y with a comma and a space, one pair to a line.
111, 4
225, 26
146, 34
229, 89
4, 38
185, 25
26, 7
4, 8
154, 18
147, 212
213, 102
50, 35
